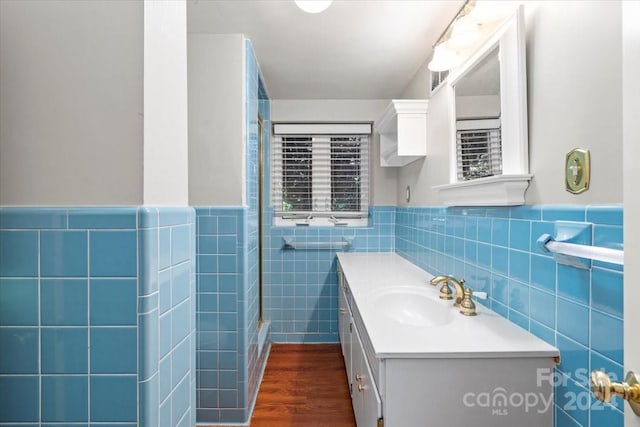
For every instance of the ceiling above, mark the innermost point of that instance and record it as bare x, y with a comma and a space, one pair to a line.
356, 49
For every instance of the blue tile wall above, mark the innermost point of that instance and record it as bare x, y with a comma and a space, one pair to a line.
221, 348
50, 315
301, 286
258, 105
166, 316
578, 311
79, 315
230, 355
65, 399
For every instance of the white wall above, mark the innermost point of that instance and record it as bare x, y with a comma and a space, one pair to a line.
216, 119
574, 56
574, 100
419, 86
166, 174
631, 137
383, 180
71, 102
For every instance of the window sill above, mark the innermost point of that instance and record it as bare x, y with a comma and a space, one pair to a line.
501, 190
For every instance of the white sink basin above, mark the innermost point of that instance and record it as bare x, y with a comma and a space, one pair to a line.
412, 306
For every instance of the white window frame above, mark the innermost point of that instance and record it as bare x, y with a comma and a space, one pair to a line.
321, 214
437, 80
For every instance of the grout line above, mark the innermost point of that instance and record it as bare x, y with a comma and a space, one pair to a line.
88, 326
39, 333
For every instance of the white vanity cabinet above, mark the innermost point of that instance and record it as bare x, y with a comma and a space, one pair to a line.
345, 326
367, 405
481, 370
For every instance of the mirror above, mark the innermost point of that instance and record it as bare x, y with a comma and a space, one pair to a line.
489, 160
477, 124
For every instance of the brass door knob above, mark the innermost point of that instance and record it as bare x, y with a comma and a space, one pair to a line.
343, 311
361, 388
603, 389
359, 377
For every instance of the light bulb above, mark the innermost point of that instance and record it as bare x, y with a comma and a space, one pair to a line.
443, 58
464, 33
313, 6
491, 10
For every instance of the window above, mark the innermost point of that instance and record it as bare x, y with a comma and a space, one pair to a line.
437, 78
297, 177
320, 174
478, 149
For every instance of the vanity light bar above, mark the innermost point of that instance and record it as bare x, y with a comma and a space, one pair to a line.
463, 11
464, 30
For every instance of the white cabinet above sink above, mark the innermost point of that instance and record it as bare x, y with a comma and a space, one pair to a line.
403, 132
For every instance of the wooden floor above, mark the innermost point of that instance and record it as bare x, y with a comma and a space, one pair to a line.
304, 385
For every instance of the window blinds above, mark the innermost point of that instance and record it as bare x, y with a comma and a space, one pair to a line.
320, 170
478, 149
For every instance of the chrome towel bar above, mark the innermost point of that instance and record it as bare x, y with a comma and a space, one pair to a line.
548, 244
343, 244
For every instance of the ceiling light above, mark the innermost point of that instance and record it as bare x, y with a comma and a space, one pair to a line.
443, 58
464, 33
313, 6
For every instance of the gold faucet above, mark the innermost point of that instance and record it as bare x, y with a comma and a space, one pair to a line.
445, 291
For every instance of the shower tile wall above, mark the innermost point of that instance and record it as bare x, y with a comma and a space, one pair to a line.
96, 320
301, 286
229, 356
221, 346
257, 105
579, 311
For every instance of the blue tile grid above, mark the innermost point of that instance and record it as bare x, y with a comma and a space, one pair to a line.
79, 315
579, 311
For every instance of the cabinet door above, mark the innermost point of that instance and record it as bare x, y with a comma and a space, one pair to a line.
367, 405
344, 329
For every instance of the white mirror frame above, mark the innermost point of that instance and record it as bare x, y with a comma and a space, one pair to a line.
507, 189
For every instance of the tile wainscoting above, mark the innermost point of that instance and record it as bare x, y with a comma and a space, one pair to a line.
96, 316
73, 281
579, 311
301, 286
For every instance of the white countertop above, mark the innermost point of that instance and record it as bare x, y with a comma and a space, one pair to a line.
486, 335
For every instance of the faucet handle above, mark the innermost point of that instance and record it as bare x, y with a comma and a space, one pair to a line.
480, 294
467, 306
